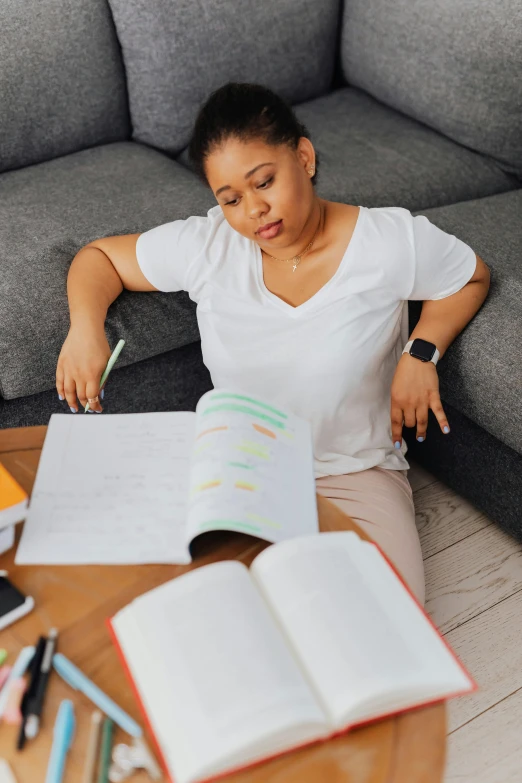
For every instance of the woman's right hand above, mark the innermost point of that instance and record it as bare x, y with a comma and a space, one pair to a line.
81, 363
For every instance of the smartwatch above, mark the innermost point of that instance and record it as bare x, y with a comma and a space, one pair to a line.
423, 350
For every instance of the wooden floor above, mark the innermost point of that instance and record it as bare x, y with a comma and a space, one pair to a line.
474, 594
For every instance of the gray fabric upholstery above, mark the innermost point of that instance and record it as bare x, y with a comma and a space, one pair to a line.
177, 51
62, 83
455, 66
172, 381
47, 213
475, 465
372, 155
481, 375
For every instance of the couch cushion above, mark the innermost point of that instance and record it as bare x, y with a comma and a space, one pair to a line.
47, 213
374, 156
455, 66
177, 51
61, 80
481, 374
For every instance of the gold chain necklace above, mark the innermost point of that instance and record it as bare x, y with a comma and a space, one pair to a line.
296, 260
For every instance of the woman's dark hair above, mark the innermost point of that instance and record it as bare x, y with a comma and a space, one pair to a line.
246, 112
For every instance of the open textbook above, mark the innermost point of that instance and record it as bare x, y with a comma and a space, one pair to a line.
233, 666
138, 488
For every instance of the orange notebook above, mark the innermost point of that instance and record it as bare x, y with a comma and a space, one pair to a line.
13, 499
233, 666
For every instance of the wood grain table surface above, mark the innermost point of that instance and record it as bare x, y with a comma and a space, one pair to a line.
409, 748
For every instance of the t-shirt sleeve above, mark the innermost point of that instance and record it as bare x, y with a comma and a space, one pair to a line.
442, 263
172, 256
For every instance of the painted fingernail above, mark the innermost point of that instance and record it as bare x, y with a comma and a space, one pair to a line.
102, 394
89, 411
446, 430
420, 439
397, 444
96, 411
61, 398
73, 410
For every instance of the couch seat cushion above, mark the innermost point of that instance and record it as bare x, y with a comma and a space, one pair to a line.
47, 213
375, 156
481, 375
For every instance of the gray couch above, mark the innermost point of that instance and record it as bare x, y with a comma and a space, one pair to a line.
416, 103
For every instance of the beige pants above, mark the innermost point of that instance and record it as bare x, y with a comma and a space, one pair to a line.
381, 502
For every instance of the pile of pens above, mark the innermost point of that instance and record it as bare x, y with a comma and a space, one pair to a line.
22, 703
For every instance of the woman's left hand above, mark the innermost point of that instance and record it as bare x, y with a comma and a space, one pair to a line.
415, 389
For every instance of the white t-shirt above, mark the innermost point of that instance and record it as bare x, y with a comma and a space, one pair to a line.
332, 359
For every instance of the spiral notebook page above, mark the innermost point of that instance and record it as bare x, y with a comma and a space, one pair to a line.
111, 490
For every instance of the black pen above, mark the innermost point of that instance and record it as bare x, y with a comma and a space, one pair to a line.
32, 722
34, 669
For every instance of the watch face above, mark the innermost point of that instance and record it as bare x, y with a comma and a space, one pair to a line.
423, 350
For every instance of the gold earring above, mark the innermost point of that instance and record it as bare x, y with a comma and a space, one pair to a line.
311, 171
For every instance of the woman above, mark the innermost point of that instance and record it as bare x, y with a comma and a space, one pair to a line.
301, 300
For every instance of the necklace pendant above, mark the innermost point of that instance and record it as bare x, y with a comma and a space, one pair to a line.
296, 261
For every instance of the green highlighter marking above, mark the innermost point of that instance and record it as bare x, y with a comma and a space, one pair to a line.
241, 465
248, 411
243, 397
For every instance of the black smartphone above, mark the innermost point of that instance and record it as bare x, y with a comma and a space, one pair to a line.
13, 603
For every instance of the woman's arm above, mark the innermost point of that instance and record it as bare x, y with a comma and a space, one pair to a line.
415, 387
98, 274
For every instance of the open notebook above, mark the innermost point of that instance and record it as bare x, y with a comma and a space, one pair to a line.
232, 666
138, 487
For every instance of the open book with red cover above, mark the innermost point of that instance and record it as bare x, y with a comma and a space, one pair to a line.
233, 666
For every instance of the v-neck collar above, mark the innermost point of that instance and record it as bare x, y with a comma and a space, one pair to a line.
318, 294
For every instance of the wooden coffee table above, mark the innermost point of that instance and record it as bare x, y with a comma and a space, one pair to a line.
77, 599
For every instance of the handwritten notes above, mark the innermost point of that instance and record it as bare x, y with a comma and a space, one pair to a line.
111, 490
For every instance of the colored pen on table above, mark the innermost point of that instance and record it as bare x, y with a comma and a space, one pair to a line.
74, 677
5, 671
92, 747
105, 753
35, 704
34, 668
62, 741
110, 364
19, 667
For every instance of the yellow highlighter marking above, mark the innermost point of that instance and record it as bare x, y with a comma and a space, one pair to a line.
263, 520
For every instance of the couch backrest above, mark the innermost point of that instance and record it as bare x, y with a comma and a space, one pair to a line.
62, 85
455, 65
177, 51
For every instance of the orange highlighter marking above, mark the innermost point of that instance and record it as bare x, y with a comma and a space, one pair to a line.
244, 485
212, 429
264, 431
208, 485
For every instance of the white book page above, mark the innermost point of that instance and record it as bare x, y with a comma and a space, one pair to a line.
216, 677
362, 639
111, 489
252, 469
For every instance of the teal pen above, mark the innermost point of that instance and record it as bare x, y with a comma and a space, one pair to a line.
74, 677
110, 364
62, 740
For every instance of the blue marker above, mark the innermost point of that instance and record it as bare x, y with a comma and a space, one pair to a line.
77, 680
62, 741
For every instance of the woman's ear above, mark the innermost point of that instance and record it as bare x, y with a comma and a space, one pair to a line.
306, 153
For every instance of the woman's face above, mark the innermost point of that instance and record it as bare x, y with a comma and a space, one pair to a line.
257, 184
